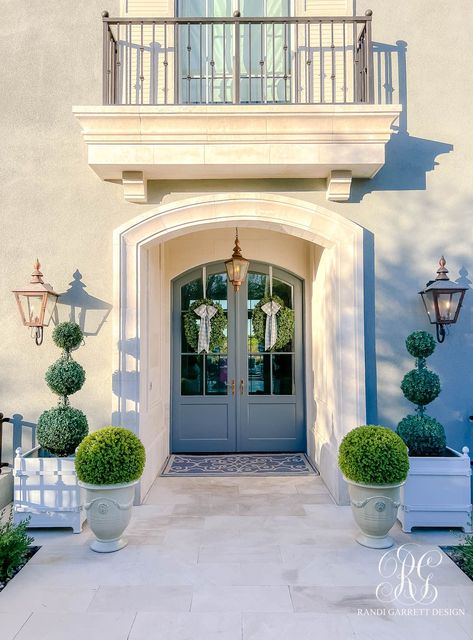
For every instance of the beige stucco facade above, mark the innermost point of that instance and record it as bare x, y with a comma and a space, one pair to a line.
417, 207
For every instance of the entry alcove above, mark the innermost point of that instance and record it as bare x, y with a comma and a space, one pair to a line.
321, 249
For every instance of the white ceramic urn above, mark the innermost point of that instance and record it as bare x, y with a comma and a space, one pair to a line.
108, 510
374, 508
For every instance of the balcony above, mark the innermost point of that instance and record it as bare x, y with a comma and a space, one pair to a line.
195, 98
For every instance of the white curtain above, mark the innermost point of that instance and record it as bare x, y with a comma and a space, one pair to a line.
206, 53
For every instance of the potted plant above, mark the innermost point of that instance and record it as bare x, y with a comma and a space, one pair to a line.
45, 482
374, 463
437, 490
109, 463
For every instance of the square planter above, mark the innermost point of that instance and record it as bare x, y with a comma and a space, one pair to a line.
47, 490
437, 492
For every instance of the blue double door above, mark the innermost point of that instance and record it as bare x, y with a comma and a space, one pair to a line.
238, 397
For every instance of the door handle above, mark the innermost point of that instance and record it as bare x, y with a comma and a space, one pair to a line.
242, 386
232, 385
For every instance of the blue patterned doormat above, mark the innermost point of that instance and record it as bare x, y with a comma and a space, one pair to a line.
239, 464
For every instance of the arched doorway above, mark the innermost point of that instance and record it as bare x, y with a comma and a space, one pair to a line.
242, 394
333, 315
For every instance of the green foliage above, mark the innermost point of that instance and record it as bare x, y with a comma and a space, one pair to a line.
420, 344
65, 376
421, 386
218, 324
423, 435
465, 552
67, 336
61, 430
372, 454
14, 543
111, 455
285, 322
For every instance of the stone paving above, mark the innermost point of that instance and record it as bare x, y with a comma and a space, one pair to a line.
228, 559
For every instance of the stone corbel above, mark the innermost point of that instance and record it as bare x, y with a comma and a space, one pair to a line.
135, 186
338, 186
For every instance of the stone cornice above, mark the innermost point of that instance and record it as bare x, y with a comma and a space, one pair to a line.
237, 141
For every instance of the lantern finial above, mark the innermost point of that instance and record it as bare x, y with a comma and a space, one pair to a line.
36, 276
236, 248
442, 270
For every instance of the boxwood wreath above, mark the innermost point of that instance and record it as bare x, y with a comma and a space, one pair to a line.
285, 322
218, 324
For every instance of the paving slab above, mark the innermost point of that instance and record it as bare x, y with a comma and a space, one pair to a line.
230, 559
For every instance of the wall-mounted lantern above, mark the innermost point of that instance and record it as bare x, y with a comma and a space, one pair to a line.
36, 303
237, 266
442, 299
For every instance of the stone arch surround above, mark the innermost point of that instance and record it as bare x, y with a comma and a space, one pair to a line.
335, 358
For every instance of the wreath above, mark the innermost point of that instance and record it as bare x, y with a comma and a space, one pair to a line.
284, 318
218, 324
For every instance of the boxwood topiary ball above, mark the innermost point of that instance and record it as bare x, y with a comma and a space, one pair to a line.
423, 435
61, 430
112, 455
373, 454
67, 336
420, 344
421, 386
65, 376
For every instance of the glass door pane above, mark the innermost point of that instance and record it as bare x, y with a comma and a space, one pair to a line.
265, 53
269, 372
203, 373
205, 53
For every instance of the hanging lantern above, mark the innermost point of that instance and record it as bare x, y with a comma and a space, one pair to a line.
36, 303
237, 266
442, 300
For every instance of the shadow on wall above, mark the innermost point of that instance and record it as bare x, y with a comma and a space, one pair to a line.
408, 159
126, 386
405, 244
76, 305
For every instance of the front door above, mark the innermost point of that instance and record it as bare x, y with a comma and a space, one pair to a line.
241, 394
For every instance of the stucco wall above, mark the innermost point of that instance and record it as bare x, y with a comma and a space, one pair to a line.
54, 207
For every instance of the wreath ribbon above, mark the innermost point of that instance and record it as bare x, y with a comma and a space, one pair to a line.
271, 310
205, 312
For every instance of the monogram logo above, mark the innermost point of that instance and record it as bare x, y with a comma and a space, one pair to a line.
408, 579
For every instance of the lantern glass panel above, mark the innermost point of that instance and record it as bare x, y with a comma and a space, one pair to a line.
242, 269
32, 306
448, 304
229, 267
429, 302
50, 306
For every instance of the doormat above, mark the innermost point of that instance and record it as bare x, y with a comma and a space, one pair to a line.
239, 464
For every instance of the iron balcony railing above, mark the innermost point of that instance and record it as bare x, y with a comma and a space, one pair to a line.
166, 61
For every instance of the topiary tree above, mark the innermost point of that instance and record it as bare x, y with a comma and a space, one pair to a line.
372, 454
111, 455
62, 428
423, 435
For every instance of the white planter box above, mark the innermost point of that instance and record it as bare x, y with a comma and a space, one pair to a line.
437, 492
46, 489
